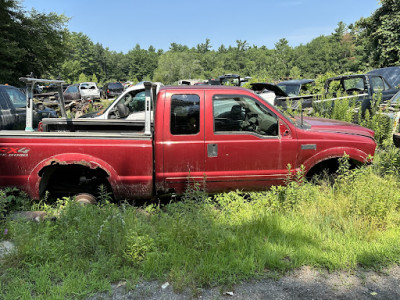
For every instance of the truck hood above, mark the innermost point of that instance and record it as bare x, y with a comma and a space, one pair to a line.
328, 125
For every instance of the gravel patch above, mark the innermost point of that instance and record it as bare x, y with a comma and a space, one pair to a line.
305, 283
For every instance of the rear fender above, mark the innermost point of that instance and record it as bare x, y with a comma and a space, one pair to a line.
70, 159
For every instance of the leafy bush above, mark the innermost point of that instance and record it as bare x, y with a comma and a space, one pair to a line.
12, 199
387, 161
138, 246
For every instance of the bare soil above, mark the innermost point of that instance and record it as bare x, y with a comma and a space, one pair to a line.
305, 283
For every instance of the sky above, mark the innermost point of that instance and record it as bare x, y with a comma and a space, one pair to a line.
121, 24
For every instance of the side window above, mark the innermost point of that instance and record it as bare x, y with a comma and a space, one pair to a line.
17, 98
354, 84
377, 84
238, 113
335, 86
385, 84
4, 100
185, 114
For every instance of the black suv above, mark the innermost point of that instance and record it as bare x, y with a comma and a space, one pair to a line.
13, 109
112, 89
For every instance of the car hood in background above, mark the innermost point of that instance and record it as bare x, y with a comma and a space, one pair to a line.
259, 86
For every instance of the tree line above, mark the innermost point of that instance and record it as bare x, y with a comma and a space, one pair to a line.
41, 43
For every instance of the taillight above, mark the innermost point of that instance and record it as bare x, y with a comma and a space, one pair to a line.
40, 126
108, 91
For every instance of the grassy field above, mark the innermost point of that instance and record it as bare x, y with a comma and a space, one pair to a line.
207, 241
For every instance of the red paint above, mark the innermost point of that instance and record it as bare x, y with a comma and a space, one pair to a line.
245, 161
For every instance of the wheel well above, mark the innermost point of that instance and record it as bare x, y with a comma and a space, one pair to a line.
68, 180
329, 166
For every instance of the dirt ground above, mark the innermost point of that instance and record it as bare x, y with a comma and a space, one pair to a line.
305, 283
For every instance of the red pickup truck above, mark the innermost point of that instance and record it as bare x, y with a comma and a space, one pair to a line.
226, 136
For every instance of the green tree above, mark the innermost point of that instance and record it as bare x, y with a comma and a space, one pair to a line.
10, 52
380, 35
142, 63
70, 70
174, 66
82, 78
174, 47
204, 47
295, 72
282, 59
29, 42
94, 78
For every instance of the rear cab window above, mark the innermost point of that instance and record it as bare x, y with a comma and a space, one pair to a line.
116, 85
185, 114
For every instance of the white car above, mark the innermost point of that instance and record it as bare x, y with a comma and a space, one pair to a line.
128, 106
89, 90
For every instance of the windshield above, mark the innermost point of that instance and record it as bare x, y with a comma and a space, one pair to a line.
85, 86
116, 85
288, 116
72, 89
290, 89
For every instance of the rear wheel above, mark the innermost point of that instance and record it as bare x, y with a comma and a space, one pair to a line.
72, 180
85, 199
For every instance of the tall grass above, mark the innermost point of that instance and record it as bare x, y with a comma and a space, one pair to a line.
348, 110
207, 241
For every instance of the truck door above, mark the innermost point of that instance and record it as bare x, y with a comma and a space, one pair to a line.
244, 148
183, 141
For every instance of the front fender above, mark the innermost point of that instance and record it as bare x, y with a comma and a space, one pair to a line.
336, 152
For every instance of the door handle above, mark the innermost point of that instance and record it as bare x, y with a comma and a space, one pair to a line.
212, 150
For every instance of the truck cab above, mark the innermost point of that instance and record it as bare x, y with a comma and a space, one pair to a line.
232, 139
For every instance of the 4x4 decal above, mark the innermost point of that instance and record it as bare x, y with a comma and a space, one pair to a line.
14, 151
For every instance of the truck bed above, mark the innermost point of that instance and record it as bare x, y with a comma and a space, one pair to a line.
92, 125
122, 159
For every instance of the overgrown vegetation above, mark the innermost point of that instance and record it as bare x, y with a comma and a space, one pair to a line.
206, 241
348, 110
